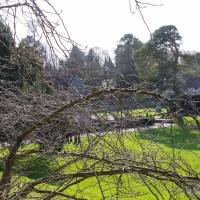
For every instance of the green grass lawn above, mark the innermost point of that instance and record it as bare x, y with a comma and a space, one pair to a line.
186, 145
178, 143
189, 121
143, 112
161, 144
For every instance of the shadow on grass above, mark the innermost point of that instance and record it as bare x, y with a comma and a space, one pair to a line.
34, 167
175, 136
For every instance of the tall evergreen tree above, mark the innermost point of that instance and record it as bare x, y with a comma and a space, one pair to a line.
6, 47
30, 70
38, 48
6, 43
77, 56
124, 62
93, 69
189, 66
157, 60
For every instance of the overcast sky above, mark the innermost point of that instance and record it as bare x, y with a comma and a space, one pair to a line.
103, 22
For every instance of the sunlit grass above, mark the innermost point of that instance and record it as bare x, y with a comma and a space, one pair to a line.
180, 141
189, 121
185, 145
143, 112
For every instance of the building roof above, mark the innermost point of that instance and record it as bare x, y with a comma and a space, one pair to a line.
193, 82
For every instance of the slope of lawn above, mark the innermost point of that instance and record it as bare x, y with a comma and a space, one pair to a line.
152, 140
185, 145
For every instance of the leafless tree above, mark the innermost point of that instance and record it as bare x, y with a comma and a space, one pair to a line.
87, 143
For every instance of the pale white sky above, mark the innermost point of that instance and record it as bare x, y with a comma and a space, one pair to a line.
103, 22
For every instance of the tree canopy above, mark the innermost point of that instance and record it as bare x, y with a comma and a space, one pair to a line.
157, 60
124, 62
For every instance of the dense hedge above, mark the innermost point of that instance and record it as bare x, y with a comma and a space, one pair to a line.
191, 103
